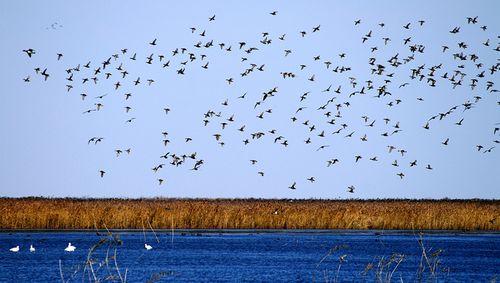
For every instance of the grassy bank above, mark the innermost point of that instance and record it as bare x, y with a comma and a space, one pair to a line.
40, 213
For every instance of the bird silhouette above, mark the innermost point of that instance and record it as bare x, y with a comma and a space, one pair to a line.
351, 189
323, 114
30, 52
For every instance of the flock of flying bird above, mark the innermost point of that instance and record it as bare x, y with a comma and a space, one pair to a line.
468, 71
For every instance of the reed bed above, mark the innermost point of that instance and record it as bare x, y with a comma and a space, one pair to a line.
68, 213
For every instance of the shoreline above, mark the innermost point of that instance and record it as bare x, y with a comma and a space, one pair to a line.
260, 231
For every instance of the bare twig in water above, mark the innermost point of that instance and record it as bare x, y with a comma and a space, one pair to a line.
398, 259
143, 231
158, 241
368, 267
172, 232
110, 240
60, 271
424, 255
116, 266
330, 252
342, 258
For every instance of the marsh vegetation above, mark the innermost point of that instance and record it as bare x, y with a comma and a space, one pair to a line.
61, 214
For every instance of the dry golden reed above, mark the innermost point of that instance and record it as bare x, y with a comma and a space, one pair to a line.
42, 213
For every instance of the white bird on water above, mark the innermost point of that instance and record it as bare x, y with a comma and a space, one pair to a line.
148, 247
14, 249
32, 249
70, 248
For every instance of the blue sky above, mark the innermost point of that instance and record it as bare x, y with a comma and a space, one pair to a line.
44, 150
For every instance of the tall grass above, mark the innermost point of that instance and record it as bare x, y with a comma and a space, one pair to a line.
383, 269
41, 213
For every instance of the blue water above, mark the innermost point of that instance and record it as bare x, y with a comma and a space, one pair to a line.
252, 256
